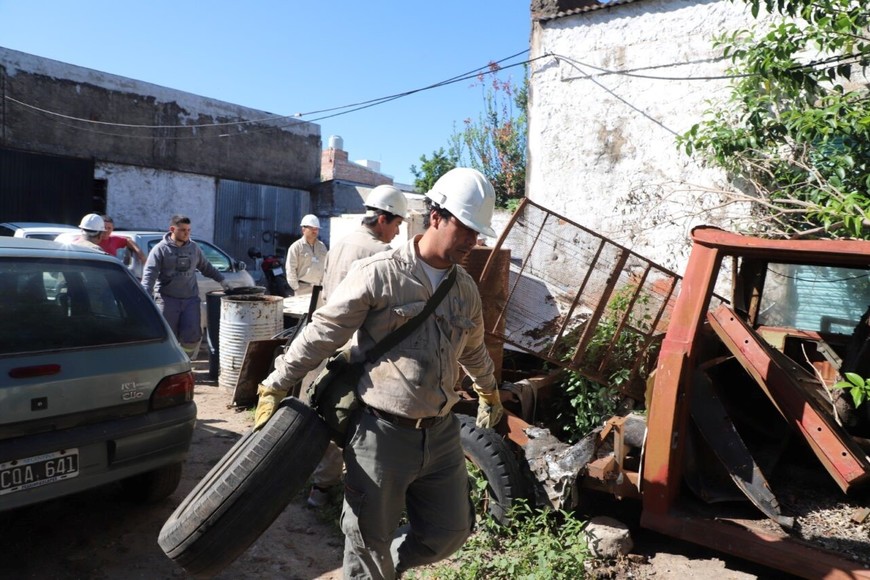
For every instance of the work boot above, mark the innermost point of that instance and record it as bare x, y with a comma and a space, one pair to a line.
318, 497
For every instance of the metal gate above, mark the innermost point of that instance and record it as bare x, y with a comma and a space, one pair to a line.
262, 217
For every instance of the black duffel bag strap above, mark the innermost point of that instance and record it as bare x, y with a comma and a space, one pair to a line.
404, 331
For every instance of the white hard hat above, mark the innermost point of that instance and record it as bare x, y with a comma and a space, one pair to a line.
469, 196
310, 221
389, 199
93, 223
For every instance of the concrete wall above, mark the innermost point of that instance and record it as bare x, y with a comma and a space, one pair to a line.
177, 132
602, 146
142, 198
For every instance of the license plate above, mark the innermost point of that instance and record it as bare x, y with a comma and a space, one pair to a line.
278, 271
38, 470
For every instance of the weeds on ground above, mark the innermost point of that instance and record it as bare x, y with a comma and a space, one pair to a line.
535, 545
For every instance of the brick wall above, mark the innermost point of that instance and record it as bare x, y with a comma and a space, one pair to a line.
334, 164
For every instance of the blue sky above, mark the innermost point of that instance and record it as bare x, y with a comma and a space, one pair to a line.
287, 57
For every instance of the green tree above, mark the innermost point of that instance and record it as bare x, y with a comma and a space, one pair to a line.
495, 144
431, 169
794, 135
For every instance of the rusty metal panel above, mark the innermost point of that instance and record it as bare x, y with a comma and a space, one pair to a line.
575, 299
787, 385
828, 252
742, 539
261, 216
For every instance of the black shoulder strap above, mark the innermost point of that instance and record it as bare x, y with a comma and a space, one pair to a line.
401, 333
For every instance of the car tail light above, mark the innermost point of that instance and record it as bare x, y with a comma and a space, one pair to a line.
173, 390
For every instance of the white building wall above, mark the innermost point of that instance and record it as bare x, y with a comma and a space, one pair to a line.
143, 198
602, 148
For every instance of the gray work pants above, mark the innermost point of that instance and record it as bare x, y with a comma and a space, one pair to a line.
389, 468
183, 316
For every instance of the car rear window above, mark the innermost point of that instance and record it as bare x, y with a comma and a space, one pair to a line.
60, 304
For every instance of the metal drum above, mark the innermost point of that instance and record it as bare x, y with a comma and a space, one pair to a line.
243, 319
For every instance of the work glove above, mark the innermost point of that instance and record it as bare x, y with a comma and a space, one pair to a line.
489, 409
225, 285
269, 398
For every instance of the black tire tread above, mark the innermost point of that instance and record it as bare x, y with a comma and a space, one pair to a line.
493, 456
245, 491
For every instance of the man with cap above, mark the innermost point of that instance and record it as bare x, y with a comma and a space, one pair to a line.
403, 451
306, 258
93, 230
386, 209
170, 272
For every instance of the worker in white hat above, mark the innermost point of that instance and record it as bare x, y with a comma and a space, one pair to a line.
403, 453
306, 258
93, 229
386, 209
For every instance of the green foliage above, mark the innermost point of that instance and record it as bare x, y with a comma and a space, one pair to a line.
479, 489
795, 130
432, 169
583, 404
541, 545
495, 144
858, 386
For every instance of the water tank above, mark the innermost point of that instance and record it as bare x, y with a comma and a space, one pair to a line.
336, 142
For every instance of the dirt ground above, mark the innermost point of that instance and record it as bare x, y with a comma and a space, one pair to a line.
99, 535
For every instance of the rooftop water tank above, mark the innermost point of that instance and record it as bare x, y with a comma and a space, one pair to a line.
336, 142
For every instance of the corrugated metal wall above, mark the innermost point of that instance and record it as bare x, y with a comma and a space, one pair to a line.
265, 217
46, 188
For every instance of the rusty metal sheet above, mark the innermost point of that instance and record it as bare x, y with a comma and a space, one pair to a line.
786, 384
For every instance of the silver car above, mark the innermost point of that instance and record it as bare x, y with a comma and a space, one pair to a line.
233, 270
37, 230
95, 388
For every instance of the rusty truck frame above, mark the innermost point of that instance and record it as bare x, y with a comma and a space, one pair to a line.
736, 361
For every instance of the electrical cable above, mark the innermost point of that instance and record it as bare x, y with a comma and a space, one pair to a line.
490, 68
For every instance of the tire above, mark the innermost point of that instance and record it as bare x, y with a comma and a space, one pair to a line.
250, 486
152, 486
490, 453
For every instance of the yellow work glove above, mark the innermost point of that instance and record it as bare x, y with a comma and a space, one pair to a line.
269, 397
489, 409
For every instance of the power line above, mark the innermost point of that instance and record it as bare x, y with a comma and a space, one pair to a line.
490, 68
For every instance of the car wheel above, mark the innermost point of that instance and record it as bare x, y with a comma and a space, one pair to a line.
152, 486
248, 488
491, 457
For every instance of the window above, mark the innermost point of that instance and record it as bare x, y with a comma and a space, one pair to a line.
817, 298
60, 304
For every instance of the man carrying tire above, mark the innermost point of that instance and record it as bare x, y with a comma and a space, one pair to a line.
403, 450
386, 209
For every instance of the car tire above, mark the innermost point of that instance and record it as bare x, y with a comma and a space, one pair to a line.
240, 497
152, 486
492, 455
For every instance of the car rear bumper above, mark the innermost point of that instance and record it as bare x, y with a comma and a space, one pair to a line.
108, 451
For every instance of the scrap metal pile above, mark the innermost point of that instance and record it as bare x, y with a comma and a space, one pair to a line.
745, 446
